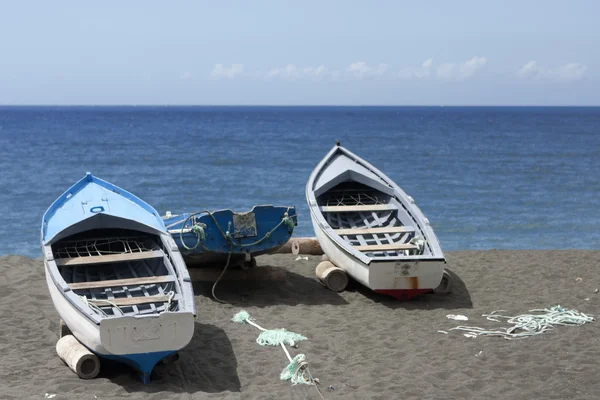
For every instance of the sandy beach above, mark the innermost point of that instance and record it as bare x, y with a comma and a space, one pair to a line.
360, 345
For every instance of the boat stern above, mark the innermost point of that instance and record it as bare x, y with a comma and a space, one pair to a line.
405, 279
167, 332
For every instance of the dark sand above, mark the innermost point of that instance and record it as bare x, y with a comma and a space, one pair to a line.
365, 345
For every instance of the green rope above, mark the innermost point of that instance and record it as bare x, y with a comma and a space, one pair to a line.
290, 373
289, 222
241, 318
274, 337
269, 337
526, 325
201, 235
297, 370
199, 231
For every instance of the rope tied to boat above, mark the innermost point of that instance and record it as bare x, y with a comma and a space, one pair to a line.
219, 278
418, 241
97, 308
297, 370
527, 325
288, 221
199, 230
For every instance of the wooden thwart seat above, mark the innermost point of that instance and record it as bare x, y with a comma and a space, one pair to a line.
131, 301
374, 231
362, 208
110, 258
122, 282
386, 247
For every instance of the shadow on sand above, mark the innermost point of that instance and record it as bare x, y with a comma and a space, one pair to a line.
285, 288
458, 298
207, 364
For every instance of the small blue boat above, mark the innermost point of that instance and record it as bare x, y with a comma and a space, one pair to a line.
115, 275
207, 238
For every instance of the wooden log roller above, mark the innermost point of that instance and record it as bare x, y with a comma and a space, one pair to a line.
302, 245
333, 277
81, 361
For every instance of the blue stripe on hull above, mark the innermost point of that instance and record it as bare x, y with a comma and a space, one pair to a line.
143, 362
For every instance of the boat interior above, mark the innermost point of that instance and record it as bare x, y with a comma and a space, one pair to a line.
371, 221
118, 272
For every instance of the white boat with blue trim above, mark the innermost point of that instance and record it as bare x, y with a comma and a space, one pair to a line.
370, 228
116, 276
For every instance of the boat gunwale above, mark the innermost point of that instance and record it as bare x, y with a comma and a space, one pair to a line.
164, 217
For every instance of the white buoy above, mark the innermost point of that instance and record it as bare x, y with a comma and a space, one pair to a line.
324, 257
445, 285
333, 277
82, 361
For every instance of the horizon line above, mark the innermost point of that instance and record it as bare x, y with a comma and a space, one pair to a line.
302, 105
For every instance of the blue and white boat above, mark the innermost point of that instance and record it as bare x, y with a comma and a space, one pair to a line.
206, 238
116, 276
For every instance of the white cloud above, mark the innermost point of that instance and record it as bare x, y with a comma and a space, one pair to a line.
222, 72
462, 70
291, 71
567, 72
468, 68
317, 72
422, 71
529, 70
445, 71
361, 70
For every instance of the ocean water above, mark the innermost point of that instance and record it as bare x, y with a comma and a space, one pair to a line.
486, 177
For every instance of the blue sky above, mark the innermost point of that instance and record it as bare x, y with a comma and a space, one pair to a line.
310, 52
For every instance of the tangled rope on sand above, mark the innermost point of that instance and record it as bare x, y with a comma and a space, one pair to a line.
526, 325
297, 370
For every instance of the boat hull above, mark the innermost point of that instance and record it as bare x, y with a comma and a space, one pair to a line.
137, 341
401, 279
115, 275
262, 233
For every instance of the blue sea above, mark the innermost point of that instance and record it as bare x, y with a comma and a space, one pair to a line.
486, 177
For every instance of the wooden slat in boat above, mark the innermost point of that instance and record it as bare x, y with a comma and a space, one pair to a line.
130, 301
122, 282
375, 231
362, 208
110, 258
386, 247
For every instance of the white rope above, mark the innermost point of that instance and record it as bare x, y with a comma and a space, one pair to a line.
97, 308
526, 325
171, 297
